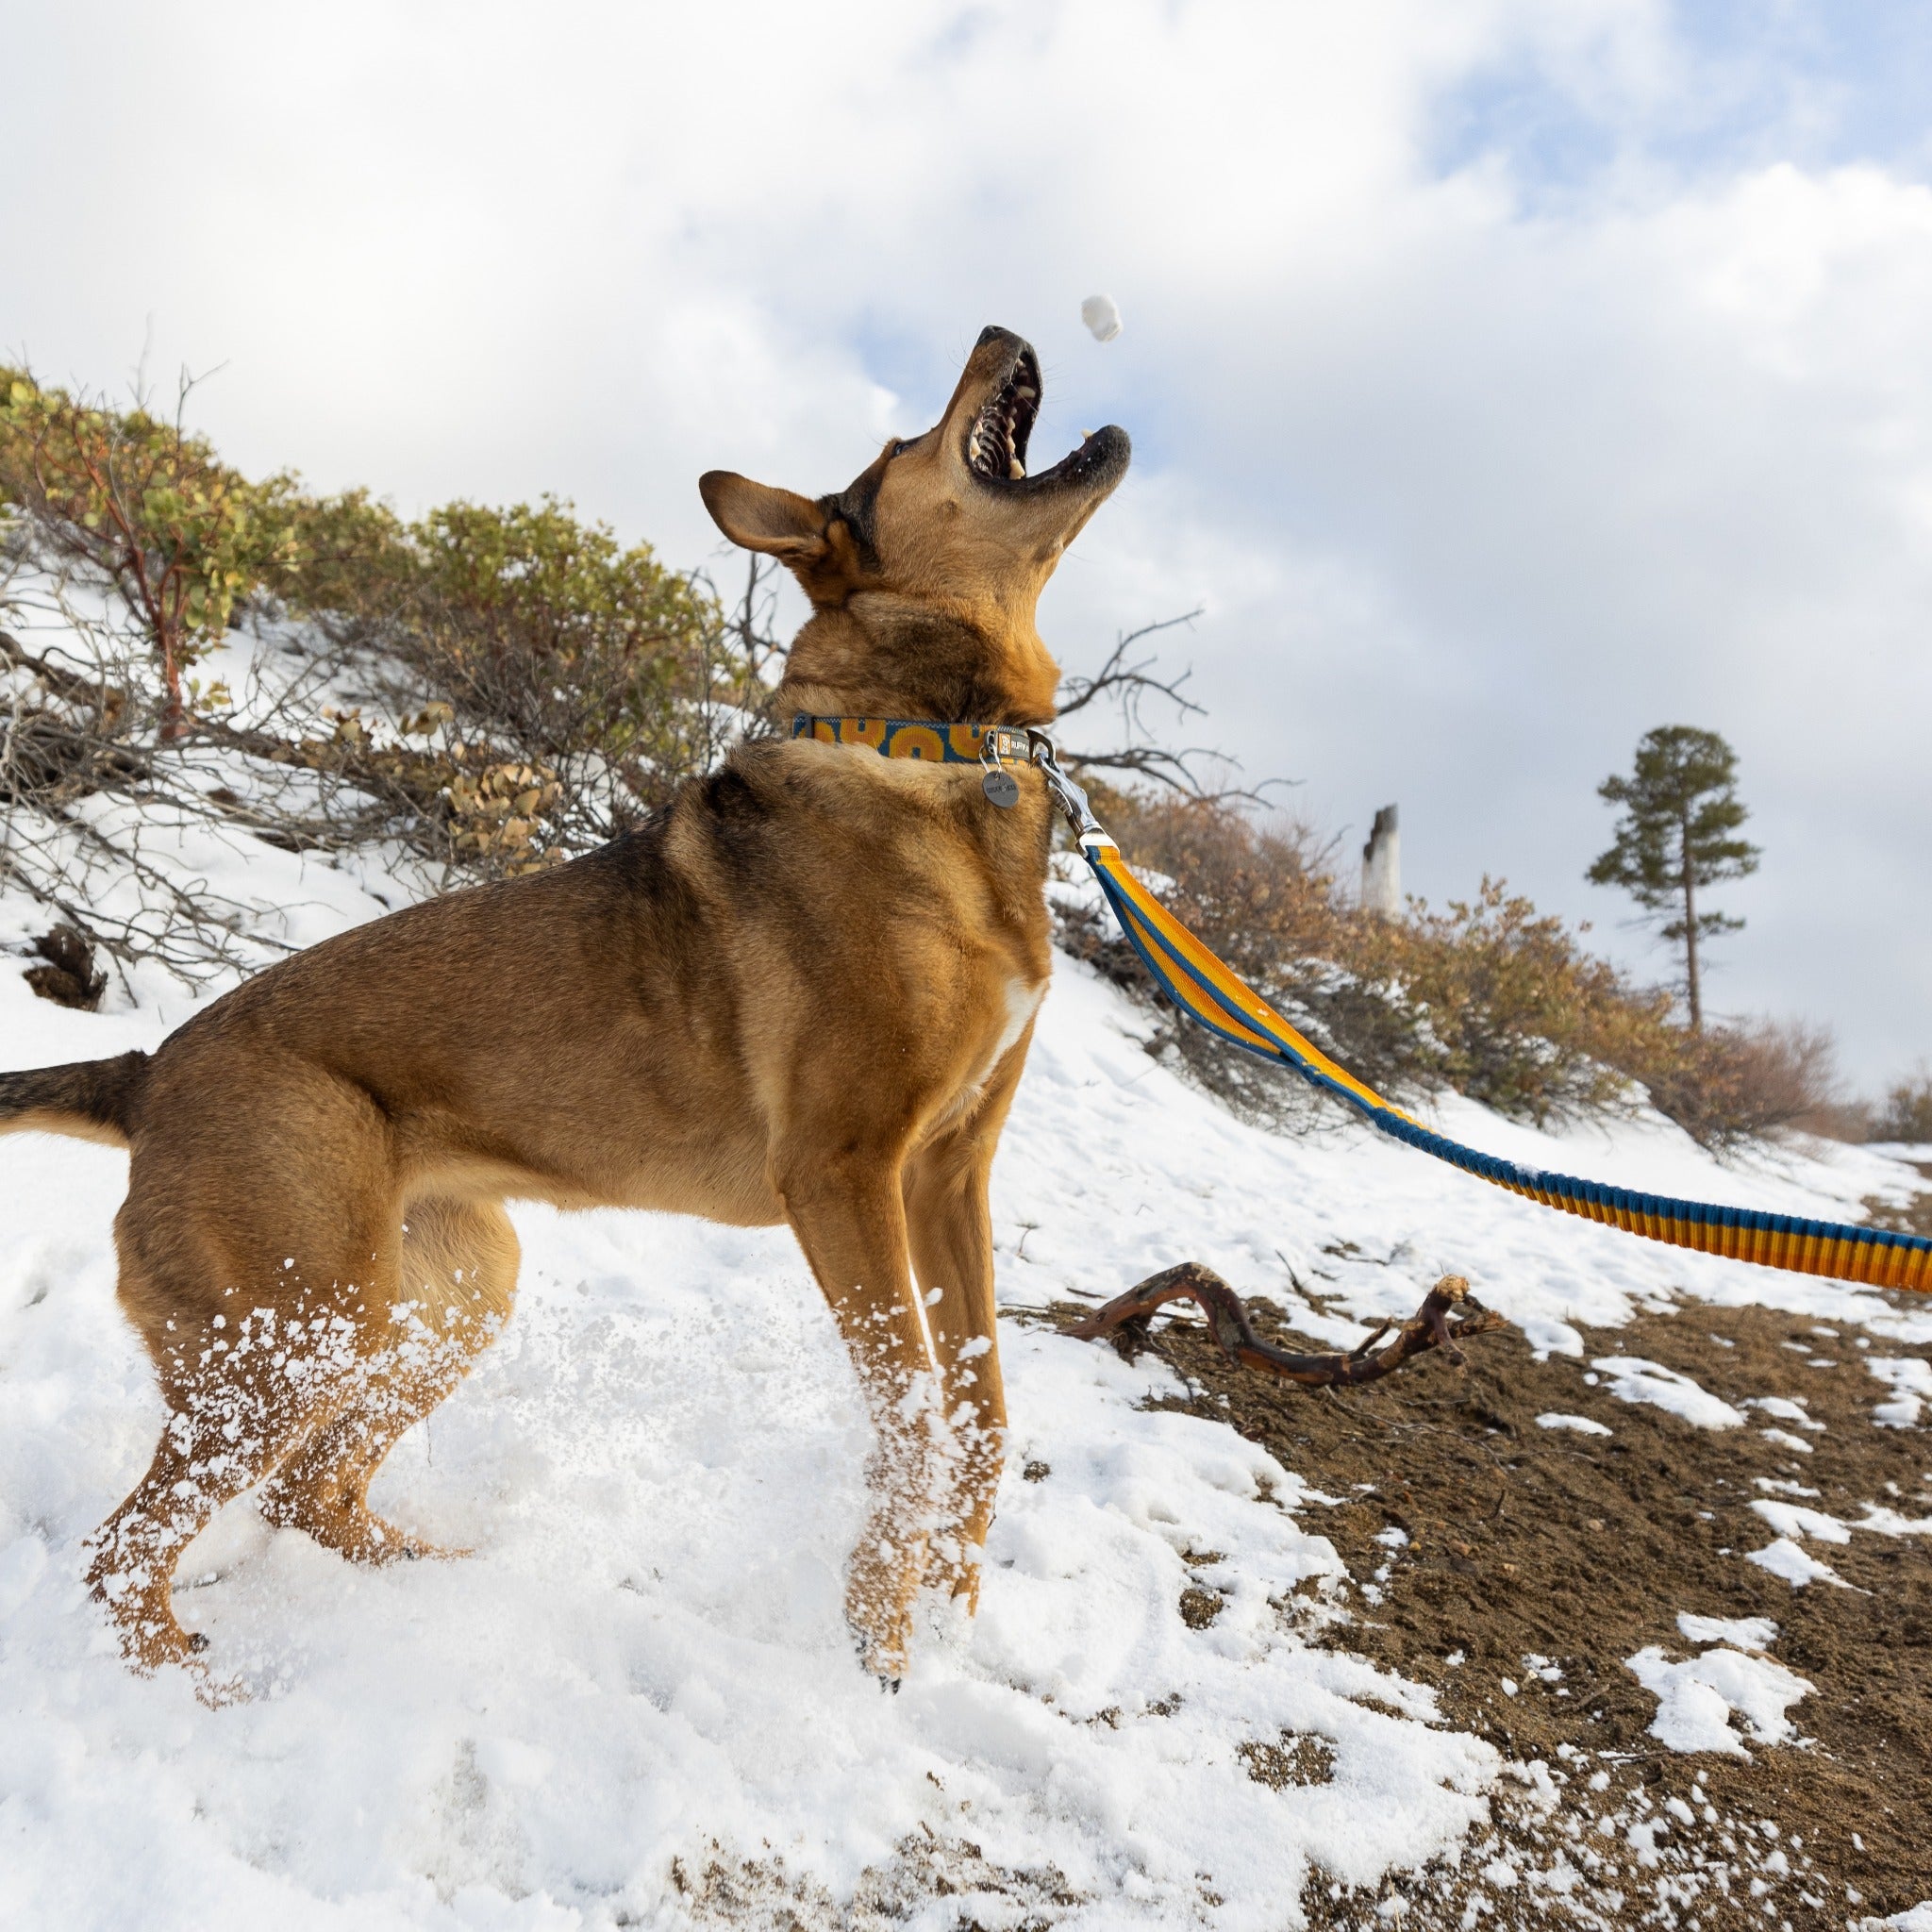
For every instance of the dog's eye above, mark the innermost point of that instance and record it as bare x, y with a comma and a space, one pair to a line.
899, 449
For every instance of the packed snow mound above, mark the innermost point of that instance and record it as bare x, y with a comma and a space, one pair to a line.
1633, 1380
1696, 1698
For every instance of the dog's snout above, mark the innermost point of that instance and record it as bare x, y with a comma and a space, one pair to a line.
1008, 341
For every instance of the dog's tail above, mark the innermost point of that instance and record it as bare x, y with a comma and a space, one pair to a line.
92, 1100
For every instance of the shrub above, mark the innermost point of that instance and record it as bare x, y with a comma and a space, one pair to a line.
1907, 1114
560, 663
1261, 898
1734, 1083
1488, 997
144, 510
1518, 1014
528, 619
533, 684
345, 557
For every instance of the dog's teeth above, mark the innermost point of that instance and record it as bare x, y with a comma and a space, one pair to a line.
1028, 393
1017, 470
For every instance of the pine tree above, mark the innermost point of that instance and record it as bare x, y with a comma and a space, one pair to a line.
1678, 836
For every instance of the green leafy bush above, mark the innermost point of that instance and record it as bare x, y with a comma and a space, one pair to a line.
145, 508
549, 643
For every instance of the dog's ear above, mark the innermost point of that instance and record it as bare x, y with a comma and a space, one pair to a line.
780, 523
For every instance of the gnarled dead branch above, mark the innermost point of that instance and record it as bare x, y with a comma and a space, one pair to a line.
1127, 1318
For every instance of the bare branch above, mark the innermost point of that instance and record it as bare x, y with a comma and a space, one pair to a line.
1128, 681
1127, 1318
1128, 684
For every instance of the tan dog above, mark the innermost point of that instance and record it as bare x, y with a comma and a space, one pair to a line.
804, 993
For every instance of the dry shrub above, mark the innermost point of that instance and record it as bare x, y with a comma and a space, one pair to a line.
1260, 895
454, 800
1488, 997
496, 812
1733, 1083
1515, 1011
1907, 1114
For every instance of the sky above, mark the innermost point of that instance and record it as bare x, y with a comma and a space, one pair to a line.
1505, 376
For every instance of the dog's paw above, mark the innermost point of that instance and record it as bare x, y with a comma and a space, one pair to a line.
359, 1535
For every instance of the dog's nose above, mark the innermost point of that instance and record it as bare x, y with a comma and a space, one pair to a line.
1009, 339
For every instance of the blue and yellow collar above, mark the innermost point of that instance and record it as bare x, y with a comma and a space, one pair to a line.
919, 738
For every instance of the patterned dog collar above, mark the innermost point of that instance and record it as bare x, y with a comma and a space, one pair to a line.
920, 738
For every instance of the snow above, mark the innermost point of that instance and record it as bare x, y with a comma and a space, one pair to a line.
1791, 1408
1910, 1380
1793, 1520
1695, 1698
1914, 1919
642, 1671
1890, 1523
1796, 1566
1796, 1522
1633, 1380
1746, 1633
1583, 1425
1102, 315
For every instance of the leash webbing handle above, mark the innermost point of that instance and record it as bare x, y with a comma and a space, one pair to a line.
1210, 992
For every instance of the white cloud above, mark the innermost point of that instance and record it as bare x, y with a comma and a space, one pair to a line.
1479, 476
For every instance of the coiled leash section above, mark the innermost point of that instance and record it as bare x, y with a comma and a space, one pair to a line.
1209, 993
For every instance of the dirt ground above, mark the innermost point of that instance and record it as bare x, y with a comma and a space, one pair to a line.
1538, 1559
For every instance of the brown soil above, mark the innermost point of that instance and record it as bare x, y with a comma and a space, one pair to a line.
1576, 1551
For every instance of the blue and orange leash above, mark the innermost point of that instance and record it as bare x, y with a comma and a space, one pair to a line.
1210, 992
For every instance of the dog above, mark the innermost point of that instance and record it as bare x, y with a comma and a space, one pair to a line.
803, 992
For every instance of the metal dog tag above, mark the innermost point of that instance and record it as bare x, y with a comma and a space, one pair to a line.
1001, 788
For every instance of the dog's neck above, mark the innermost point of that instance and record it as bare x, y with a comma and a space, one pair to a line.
879, 654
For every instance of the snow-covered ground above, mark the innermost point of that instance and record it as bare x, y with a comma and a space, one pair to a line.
637, 1693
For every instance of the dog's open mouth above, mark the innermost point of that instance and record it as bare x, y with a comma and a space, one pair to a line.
996, 442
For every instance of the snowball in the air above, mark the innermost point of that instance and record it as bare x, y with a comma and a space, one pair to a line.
1102, 315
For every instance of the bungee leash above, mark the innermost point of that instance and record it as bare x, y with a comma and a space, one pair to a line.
1209, 991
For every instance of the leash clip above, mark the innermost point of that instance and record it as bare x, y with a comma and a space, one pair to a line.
1065, 793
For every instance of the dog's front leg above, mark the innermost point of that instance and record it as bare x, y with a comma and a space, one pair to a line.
950, 1230
950, 1227
850, 1221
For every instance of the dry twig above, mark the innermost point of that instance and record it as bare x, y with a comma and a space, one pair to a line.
1127, 1318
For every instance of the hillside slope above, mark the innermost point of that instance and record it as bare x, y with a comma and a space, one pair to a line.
635, 1701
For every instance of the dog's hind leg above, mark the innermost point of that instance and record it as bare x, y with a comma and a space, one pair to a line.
232, 1418
850, 1220
457, 1281
259, 1256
